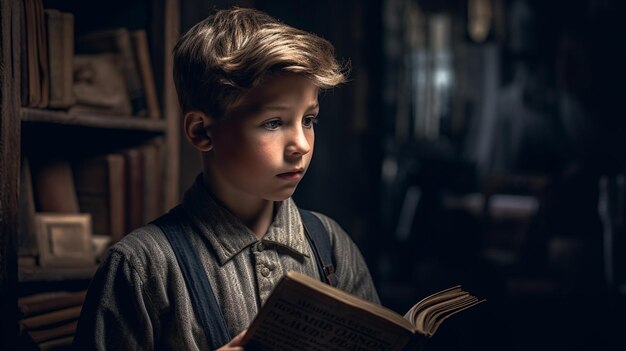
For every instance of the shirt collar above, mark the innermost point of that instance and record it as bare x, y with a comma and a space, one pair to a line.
228, 236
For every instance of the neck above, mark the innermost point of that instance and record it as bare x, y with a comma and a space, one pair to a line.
260, 219
256, 214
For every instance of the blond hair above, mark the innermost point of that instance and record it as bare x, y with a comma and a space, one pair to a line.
233, 50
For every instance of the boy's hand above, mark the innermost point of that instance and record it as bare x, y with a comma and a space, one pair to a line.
234, 344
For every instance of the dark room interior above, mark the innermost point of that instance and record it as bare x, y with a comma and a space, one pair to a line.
477, 142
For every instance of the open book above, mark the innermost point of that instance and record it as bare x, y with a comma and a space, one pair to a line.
303, 313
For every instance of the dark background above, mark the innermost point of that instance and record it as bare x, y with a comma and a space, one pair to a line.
495, 162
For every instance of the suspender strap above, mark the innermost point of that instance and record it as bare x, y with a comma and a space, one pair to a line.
319, 239
205, 305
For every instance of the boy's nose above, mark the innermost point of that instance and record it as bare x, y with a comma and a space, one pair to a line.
298, 143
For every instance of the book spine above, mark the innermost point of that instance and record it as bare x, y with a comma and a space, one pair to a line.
134, 188
142, 52
64, 343
64, 330
46, 302
24, 66
42, 59
45, 319
133, 80
34, 82
100, 187
151, 182
54, 24
117, 200
53, 185
27, 238
68, 60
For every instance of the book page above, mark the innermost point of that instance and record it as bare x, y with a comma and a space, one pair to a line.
428, 314
298, 318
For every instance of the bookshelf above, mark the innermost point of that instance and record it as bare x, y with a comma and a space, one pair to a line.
44, 132
36, 116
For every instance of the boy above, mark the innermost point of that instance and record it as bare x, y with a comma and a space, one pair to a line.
248, 87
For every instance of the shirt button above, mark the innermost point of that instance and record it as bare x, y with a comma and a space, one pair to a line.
260, 247
265, 271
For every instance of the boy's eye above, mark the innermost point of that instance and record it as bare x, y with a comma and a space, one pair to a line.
272, 125
309, 121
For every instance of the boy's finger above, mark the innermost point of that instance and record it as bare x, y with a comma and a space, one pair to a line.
237, 339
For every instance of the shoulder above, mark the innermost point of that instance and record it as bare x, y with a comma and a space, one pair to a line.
350, 266
333, 228
144, 250
342, 244
141, 243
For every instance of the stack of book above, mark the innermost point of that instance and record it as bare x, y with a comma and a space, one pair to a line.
49, 319
105, 72
119, 191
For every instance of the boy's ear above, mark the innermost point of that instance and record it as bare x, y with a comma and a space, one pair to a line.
198, 127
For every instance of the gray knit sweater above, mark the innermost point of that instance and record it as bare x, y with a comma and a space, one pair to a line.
138, 299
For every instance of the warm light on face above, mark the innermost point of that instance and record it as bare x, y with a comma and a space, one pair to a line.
264, 145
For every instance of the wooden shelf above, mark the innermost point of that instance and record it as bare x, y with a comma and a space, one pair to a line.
32, 115
39, 274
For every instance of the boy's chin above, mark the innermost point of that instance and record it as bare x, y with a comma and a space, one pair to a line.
283, 195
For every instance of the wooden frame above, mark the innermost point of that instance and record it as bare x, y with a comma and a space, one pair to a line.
64, 239
10, 150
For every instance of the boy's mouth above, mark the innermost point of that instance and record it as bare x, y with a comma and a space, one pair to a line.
292, 175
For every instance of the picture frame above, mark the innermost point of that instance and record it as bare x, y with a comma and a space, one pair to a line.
64, 239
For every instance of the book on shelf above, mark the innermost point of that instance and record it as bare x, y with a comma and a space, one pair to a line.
60, 31
142, 53
42, 43
134, 165
43, 302
159, 142
27, 239
152, 182
37, 273
61, 331
99, 85
63, 343
118, 41
303, 313
53, 186
33, 35
100, 187
27, 57
48, 319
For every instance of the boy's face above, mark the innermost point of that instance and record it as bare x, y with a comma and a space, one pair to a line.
263, 146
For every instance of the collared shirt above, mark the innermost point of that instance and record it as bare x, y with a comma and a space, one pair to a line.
138, 299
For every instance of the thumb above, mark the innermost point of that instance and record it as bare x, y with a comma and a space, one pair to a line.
236, 341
